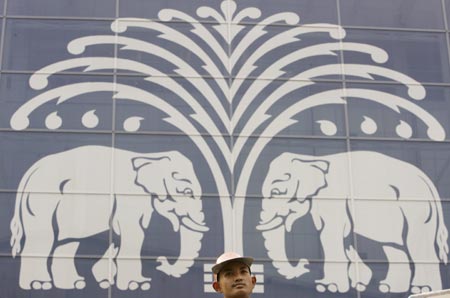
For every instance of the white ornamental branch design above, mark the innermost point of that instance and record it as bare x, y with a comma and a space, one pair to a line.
216, 53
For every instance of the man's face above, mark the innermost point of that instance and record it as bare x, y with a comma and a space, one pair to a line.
235, 281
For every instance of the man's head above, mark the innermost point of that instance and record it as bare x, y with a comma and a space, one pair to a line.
233, 275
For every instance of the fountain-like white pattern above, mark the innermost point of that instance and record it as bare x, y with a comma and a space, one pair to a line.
229, 26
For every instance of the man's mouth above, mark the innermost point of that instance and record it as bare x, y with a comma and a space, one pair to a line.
239, 285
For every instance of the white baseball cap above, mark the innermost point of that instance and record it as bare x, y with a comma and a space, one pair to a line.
227, 257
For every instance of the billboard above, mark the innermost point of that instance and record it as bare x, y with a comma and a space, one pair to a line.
139, 144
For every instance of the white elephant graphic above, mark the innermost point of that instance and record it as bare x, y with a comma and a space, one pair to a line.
62, 192
297, 184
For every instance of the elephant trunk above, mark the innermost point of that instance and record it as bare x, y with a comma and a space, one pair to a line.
275, 245
190, 246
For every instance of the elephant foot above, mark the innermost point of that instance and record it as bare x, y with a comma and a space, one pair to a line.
384, 288
105, 269
104, 284
394, 284
41, 285
134, 285
34, 274
80, 284
143, 283
420, 289
322, 288
333, 287
360, 287
129, 275
66, 277
145, 286
388, 288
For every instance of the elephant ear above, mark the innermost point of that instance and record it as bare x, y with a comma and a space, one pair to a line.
311, 177
151, 174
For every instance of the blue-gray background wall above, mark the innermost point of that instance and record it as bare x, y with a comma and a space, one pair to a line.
34, 34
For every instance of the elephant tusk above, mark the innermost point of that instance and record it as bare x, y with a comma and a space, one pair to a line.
192, 225
274, 223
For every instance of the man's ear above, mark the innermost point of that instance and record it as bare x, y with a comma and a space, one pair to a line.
216, 287
254, 280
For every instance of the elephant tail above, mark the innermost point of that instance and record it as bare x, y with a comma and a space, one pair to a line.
16, 225
442, 232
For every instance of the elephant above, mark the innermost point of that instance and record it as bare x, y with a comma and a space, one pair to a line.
380, 198
71, 195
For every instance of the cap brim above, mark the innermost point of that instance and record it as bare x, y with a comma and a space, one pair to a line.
246, 260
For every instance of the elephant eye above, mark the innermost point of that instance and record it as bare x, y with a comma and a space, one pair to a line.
186, 191
277, 192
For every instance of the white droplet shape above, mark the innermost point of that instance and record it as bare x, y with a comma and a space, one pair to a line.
436, 134
327, 127
89, 119
75, 48
53, 121
206, 12
228, 9
404, 130
132, 124
19, 123
380, 57
38, 81
417, 92
369, 126
338, 33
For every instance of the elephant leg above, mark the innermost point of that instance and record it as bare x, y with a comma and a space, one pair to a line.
360, 274
65, 275
34, 273
39, 241
336, 278
399, 273
129, 264
105, 269
427, 275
